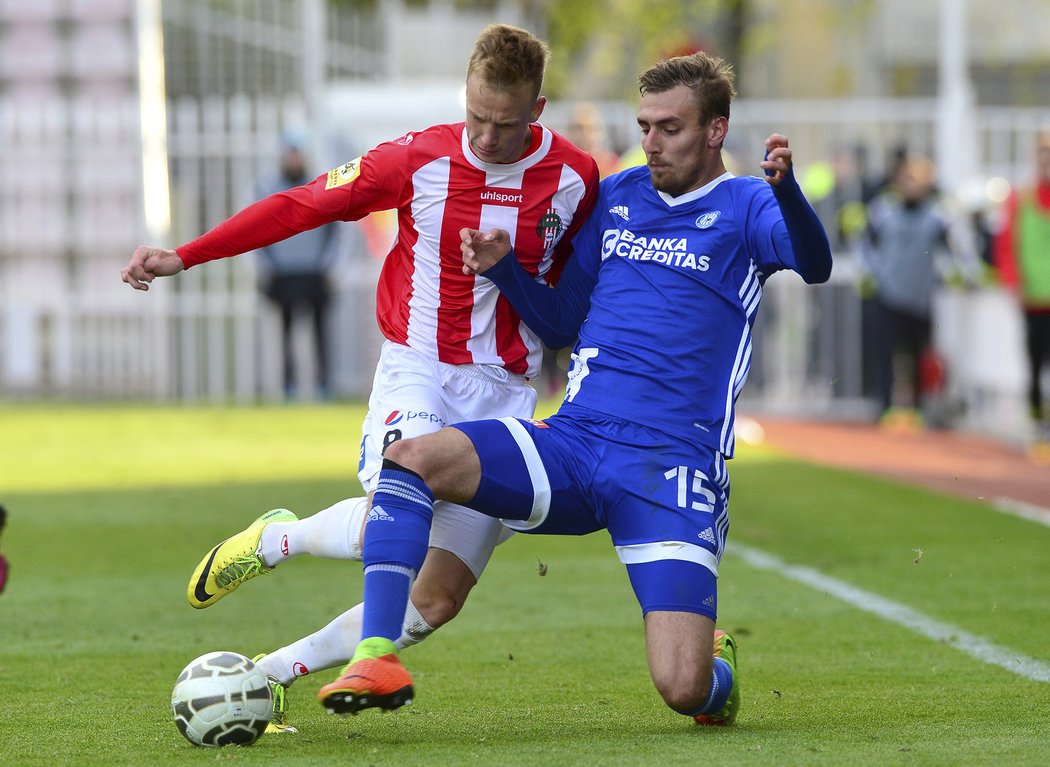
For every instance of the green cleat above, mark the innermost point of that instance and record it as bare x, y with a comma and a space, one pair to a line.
279, 718
725, 648
232, 562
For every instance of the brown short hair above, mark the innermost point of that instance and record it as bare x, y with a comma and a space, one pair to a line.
709, 77
508, 57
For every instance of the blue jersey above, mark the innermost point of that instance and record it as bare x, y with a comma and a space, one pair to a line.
667, 339
670, 287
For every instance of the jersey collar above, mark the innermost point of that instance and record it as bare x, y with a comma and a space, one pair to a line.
695, 194
538, 152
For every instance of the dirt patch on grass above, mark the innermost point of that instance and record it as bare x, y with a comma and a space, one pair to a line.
967, 465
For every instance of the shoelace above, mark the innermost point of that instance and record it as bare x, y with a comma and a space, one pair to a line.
237, 570
279, 707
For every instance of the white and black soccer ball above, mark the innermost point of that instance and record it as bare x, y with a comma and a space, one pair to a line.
222, 698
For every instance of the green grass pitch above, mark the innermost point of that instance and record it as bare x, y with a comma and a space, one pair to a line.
112, 506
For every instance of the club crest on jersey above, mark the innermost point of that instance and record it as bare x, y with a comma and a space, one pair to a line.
707, 220
344, 174
549, 227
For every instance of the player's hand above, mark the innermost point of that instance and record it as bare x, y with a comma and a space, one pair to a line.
777, 162
483, 250
148, 263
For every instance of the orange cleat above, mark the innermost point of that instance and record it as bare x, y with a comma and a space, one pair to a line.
368, 683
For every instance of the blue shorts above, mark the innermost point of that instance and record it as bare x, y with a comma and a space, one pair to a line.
663, 500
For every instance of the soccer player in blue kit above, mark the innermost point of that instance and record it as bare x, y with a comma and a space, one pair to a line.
662, 292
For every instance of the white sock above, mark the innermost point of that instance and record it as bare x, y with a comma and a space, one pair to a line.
334, 645
333, 533
326, 648
415, 628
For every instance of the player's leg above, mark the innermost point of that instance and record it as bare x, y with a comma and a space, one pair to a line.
461, 543
1037, 346
678, 646
405, 388
692, 665
438, 594
881, 353
462, 540
1037, 341
330, 646
515, 484
319, 302
666, 506
287, 310
276, 536
396, 543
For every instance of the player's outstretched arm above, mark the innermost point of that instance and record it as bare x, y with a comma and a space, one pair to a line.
148, 263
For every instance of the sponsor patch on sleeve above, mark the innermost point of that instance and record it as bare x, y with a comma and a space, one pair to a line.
344, 174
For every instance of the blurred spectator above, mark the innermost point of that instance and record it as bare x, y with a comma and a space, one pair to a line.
587, 131
1022, 257
3, 559
836, 190
877, 185
906, 253
296, 272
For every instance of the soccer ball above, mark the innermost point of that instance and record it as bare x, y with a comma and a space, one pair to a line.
222, 698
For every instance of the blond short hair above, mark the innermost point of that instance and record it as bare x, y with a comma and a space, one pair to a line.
509, 57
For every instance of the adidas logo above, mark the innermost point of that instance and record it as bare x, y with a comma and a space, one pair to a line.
376, 513
710, 602
708, 535
621, 211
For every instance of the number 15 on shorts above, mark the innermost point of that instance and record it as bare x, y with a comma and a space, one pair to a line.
692, 494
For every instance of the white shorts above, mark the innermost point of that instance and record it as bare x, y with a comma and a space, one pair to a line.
414, 395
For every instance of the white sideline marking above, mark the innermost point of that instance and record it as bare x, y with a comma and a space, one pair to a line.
1028, 511
971, 644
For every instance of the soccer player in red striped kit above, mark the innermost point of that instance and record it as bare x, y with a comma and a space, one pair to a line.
455, 349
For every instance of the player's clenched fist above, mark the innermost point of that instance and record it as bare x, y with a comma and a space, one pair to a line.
778, 158
147, 263
481, 250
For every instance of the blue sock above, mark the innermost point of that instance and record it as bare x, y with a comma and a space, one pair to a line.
397, 534
721, 685
386, 597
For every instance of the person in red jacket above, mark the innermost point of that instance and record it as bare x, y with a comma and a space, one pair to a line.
3, 559
1021, 254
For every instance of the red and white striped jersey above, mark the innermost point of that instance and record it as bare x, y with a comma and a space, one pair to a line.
438, 186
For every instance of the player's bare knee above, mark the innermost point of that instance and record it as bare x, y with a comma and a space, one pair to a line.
406, 454
432, 456
437, 604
